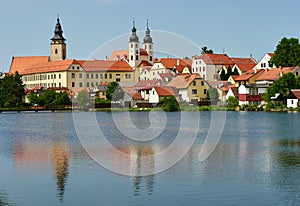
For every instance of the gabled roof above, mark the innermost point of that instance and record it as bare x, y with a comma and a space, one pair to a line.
165, 76
135, 95
245, 67
235, 91
183, 81
164, 91
274, 74
170, 63
144, 63
105, 65
296, 93
271, 55
216, 59
21, 64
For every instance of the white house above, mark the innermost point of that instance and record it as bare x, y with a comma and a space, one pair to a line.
157, 93
209, 65
293, 98
264, 63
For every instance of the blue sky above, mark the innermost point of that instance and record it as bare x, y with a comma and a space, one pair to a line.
239, 27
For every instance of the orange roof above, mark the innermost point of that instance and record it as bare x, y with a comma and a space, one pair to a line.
136, 96
105, 65
296, 92
164, 91
271, 55
216, 59
54, 66
245, 67
144, 63
21, 64
274, 74
239, 61
183, 81
119, 54
172, 62
144, 83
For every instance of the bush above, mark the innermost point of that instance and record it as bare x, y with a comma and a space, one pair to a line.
232, 102
170, 104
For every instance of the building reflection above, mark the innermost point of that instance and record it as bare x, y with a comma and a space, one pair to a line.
60, 156
139, 166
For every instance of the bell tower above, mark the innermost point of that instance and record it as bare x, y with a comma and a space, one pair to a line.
58, 45
148, 44
134, 48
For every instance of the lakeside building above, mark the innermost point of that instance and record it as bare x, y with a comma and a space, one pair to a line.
58, 71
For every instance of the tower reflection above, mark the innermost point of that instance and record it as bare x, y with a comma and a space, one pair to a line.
60, 154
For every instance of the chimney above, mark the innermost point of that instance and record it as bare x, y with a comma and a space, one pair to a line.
178, 62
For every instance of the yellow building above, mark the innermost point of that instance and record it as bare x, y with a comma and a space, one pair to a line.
57, 71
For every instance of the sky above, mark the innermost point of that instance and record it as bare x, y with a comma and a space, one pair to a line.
237, 27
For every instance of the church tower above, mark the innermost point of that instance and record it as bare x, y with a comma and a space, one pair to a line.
148, 44
58, 45
134, 48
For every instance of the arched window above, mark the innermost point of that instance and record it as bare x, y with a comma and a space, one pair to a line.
56, 51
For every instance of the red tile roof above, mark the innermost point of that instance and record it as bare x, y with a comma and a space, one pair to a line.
143, 52
243, 60
105, 65
245, 67
144, 83
144, 63
216, 59
183, 81
271, 55
54, 66
136, 96
296, 92
21, 64
170, 63
274, 74
164, 91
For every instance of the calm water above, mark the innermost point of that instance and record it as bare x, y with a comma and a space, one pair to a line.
257, 162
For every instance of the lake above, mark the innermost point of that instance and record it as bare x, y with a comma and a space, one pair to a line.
49, 159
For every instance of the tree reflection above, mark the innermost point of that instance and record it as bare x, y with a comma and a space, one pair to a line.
3, 200
60, 160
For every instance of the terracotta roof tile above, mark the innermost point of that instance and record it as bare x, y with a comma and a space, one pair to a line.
54, 66
143, 52
105, 65
144, 63
243, 60
274, 74
118, 55
216, 59
144, 83
21, 64
164, 91
296, 92
183, 81
170, 63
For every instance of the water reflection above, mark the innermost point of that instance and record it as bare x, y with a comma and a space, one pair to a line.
60, 154
3, 199
136, 166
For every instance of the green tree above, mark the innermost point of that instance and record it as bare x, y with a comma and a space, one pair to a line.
287, 53
223, 75
170, 104
114, 92
83, 98
49, 97
235, 72
205, 50
282, 86
232, 102
35, 99
11, 90
213, 94
62, 98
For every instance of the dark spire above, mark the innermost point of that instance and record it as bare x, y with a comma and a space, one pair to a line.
148, 38
58, 32
133, 37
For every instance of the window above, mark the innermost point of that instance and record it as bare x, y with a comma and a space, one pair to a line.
87, 76
145, 47
297, 73
110, 76
80, 75
153, 92
194, 83
150, 47
87, 84
131, 57
205, 91
56, 51
73, 84
105, 76
54, 76
292, 101
194, 91
147, 91
80, 84
127, 76
136, 45
51, 76
202, 83
59, 76
77, 67
118, 75
137, 57
73, 67
131, 45
118, 79
101, 76
48, 76
92, 84
204, 69
199, 69
73, 75
96, 76
150, 58
59, 84
92, 76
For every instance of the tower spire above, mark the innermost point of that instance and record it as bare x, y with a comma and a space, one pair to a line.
58, 45
58, 31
